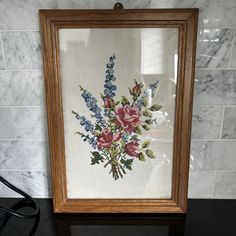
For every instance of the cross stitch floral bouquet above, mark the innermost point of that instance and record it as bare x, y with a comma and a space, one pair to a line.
119, 123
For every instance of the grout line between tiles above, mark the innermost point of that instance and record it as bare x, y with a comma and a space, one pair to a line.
34, 171
41, 106
21, 180
21, 139
231, 53
3, 54
222, 121
22, 170
13, 123
213, 140
20, 30
37, 5
205, 140
213, 187
218, 170
5, 195
213, 106
200, 26
36, 12
208, 69
26, 70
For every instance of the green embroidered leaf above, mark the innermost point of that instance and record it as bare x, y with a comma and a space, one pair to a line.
134, 137
137, 130
123, 170
116, 103
155, 107
127, 163
124, 101
114, 151
141, 156
145, 102
146, 144
96, 133
81, 134
147, 113
150, 153
98, 127
96, 159
146, 127
102, 96
149, 122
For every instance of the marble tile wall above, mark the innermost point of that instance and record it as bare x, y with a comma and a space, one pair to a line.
23, 127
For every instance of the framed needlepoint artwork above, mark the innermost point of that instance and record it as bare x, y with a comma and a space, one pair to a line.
119, 90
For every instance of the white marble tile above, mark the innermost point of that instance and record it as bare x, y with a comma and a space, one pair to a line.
6, 123
36, 183
30, 122
24, 155
136, 3
21, 88
217, 13
229, 123
213, 155
201, 184
158, 3
80, 4
215, 87
17, 15
22, 50
206, 122
214, 48
13, 177
225, 185
47, 4
110, 3
2, 66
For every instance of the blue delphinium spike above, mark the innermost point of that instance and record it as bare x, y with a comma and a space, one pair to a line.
88, 126
91, 103
152, 87
109, 88
93, 142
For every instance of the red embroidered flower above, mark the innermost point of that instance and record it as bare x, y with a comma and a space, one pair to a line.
131, 149
107, 138
128, 117
136, 90
108, 102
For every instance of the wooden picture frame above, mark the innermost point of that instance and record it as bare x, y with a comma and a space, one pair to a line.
185, 20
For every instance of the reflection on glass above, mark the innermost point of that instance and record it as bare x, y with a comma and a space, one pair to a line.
118, 230
149, 56
117, 225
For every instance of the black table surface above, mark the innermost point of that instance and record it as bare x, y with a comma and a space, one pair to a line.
204, 217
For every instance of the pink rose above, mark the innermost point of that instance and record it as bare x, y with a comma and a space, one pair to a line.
105, 139
131, 149
128, 117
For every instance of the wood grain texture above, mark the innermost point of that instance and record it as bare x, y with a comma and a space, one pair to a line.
186, 20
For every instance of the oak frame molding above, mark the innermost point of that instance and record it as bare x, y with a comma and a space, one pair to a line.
186, 20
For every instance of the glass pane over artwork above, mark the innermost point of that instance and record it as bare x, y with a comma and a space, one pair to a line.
118, 89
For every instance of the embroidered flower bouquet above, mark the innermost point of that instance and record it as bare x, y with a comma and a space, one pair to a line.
119, 123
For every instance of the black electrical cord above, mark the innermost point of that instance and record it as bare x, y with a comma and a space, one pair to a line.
13, 212
20, 205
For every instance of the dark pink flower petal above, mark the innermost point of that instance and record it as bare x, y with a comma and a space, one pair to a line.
131, 148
